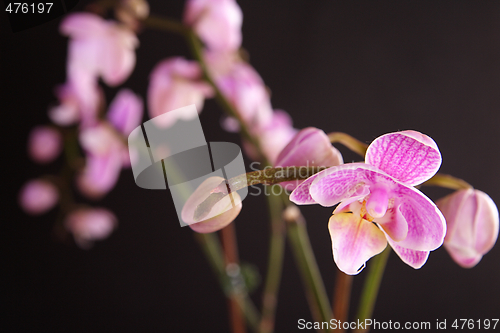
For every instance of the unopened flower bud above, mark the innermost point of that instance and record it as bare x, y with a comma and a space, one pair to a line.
217, 213
472, 220
38, 196
44, 144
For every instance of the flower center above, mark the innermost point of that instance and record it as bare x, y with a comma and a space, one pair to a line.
377, 202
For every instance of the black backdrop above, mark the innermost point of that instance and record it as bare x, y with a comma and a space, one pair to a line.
362, 67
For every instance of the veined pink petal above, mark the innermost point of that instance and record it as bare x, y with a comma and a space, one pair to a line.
408, 156
220, 215
301, 195
472, 219
341, 182
354, 240
426, 223
125, 111
413, 258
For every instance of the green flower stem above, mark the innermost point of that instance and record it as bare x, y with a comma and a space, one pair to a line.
268, 176
350, 142
212, 248
447, 181
372, 285
275, 264
306, 262
162, 23
229, 243
342, 296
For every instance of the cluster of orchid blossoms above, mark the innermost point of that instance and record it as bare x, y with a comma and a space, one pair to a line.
378, 202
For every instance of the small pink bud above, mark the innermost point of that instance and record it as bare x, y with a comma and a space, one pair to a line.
219, 215
38, 196
44, 144
472, 221
310, 147
217, 22
90, 224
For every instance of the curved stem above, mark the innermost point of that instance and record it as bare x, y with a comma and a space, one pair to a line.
371, 286
212, 248
447, 181
274, 266
228, 235
350, 142
306, 262
342, 296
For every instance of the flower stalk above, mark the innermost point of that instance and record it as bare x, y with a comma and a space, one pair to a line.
371, 286
307, 265
275, 264
350, 142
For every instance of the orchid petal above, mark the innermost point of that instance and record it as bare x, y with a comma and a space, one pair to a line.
413, 258
354, 240
426, 223
341, 182
394, 224
220, 215
409, 156
301, 195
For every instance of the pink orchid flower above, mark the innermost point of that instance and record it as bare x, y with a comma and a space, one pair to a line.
125, 111
99, 48
175, 83
245, 89
79, 101
273, 137
311, 148
472, 220
90, 224
38, 196
380, 191
44, 144
106, 155
216, 22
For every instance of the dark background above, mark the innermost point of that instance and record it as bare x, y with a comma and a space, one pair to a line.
361, 67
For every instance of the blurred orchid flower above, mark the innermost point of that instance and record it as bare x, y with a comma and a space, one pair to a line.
38, 196
273, 137
245, 90
310, 147
131, 11
99, 48
381, 191
216, 22
90, 224
79, 101
125, 111
175, 83
44, 144
106, 154
219, 216
472, 219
